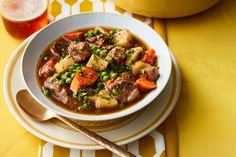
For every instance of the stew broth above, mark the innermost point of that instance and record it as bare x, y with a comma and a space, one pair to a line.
91, 93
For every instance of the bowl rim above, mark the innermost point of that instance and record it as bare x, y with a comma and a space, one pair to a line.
109, 116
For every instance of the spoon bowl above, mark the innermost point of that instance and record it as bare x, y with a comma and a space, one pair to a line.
32, 107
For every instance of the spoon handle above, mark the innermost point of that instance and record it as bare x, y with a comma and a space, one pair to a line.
97, 138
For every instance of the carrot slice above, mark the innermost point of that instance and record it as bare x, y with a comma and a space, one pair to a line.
149, 56
85, 78
143, 84
75, 84
110, 81
48, 68
90, 74
73, 36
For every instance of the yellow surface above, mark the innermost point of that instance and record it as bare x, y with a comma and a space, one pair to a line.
204, 46
12, 134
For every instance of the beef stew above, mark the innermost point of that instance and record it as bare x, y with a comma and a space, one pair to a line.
97, 70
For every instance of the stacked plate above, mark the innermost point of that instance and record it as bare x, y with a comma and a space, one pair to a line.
121, 127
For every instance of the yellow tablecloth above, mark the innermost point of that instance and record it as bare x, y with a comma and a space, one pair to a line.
204, 46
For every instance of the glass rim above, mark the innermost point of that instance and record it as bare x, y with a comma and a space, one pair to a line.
24, 19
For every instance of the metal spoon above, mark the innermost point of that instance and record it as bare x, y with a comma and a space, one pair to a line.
39, 113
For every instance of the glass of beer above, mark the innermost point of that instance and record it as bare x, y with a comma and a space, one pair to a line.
21, 18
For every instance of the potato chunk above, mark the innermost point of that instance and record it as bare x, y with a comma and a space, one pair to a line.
64, 64
123, 38
97, 63
104, 103
135, 52
104, 93
105, 100
138, 66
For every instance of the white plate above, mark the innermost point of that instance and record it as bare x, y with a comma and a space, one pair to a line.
150, 118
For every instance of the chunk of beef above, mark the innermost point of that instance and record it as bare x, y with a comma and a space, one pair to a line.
79, 51
62, 93
126, 76
58, 48
150, 73
107, 47
58, 91
98, 40
117, 54
127, 90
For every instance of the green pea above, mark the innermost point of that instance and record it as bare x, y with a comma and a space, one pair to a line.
82, 94
110, 60
129, 52
93, 47
72, 75
98, 89
71, 68
111, 72
98, 50
61, 82
67, 74
85, 98
83, 107
77, 39
102, 54
45, 91
90, 93
78, 69
104, 73
57, 75
121, 105
63, 77
105, 78
100, 85
115, 91
97, 32
68, 80
88, 34
131, 62
114, 75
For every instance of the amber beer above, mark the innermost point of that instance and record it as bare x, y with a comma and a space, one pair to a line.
23, 17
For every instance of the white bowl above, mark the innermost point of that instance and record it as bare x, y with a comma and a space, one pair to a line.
43, 38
